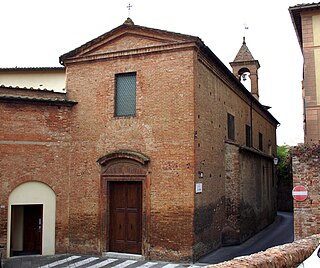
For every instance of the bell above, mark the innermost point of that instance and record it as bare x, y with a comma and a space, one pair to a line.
244, 77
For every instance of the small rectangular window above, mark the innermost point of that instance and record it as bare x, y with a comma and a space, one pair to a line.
260, 142
231, 129
248, 136
125, 95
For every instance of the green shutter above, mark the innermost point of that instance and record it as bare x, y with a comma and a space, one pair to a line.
125, 94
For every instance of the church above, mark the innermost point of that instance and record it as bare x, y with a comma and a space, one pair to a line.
154, 148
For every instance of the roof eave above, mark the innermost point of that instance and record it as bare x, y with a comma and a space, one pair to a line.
48, 101
296, 21
210, 54
295, 13
35, 69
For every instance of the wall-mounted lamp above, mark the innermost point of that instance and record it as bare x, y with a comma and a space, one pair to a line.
275, 161
200, 174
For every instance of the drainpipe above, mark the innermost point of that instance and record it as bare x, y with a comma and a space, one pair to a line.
251, 135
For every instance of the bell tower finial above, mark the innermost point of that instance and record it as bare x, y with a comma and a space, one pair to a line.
245, 28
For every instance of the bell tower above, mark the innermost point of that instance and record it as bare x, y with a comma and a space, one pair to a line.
244, 64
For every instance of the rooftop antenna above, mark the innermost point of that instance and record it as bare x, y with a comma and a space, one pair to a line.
129, 6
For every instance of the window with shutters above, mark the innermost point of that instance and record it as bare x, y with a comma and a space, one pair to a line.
231, 129
125, 94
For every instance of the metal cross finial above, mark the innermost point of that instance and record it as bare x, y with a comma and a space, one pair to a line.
245, 27
129, 8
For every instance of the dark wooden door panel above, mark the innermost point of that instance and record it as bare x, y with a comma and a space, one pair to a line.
133, 197
118, 194
125, 216
119, 230
32, 230
132, 227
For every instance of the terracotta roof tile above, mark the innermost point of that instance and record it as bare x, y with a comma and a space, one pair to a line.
32, 69
244, 53
54, 101
30, 88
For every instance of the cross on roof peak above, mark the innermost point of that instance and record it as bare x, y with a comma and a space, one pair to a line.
129, 6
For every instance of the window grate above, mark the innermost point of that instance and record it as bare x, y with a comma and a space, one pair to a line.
125, 104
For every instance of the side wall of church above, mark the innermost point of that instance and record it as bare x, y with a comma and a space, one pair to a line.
210, 116
163, 129
34, 146
227, 172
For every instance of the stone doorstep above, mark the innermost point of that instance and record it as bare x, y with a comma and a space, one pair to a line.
123, 256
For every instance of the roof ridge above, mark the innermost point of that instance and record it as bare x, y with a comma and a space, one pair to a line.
122, 26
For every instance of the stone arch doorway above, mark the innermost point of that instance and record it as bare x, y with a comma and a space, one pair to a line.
31, 224
124, 201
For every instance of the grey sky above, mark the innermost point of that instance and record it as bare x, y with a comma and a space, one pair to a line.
37, 32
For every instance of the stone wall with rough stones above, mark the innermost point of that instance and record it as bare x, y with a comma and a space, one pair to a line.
285, 256
306, 172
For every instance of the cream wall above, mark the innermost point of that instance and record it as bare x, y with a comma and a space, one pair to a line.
316, 43
37, 193
18, 229
44, 79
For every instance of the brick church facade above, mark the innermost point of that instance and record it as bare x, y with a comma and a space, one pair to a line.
155, 148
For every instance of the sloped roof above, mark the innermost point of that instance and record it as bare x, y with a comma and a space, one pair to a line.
295, 13
244, 53
127, 25
55, 101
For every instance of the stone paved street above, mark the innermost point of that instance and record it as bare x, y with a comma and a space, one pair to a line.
60, 261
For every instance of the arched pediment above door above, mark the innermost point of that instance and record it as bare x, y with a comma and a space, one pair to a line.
124, 154
124, 162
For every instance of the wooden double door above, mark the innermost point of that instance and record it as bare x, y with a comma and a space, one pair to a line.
125, 232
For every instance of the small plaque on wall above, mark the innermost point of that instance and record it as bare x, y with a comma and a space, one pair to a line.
198, 187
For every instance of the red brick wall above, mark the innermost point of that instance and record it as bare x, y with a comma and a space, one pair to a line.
210, 115
35, 146
288, 255
225, 201
163, 129
306, 172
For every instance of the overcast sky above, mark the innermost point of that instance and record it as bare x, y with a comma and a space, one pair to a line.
34, 33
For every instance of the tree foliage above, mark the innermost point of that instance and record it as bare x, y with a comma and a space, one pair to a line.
284, 170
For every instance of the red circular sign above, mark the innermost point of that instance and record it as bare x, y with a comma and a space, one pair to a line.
299, 193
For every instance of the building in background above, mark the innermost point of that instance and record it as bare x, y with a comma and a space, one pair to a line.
44, 78
155, 148
306, 20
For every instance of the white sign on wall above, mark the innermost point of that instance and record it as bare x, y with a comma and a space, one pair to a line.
198, 187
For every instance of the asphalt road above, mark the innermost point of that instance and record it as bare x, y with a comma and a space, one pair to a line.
278, 233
